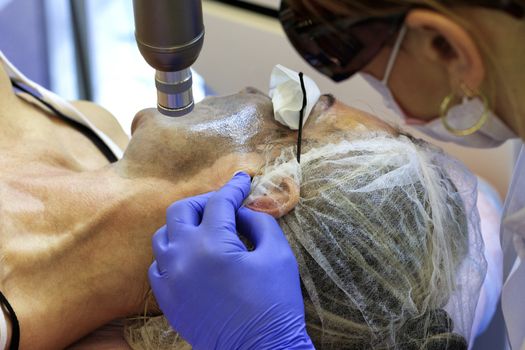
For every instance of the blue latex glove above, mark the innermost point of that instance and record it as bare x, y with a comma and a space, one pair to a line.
216, 293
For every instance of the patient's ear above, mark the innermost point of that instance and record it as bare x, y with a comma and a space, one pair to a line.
277, 200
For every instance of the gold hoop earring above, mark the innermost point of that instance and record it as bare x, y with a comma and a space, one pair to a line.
445, 107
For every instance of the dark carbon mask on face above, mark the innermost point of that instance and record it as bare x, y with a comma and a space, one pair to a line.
239, 124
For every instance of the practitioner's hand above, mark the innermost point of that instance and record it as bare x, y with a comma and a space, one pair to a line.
216, 293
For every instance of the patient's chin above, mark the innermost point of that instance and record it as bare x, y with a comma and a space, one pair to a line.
278, 202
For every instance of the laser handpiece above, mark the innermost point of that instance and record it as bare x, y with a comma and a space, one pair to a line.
170, 34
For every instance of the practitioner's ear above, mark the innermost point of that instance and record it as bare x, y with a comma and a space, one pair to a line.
278, 200
446, 43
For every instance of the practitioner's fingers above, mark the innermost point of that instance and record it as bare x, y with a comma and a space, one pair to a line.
161, 246
222, 206
262, 230
187, 211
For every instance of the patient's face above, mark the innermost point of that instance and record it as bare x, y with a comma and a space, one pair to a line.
226, 134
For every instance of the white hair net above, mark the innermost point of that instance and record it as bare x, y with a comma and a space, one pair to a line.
387, 240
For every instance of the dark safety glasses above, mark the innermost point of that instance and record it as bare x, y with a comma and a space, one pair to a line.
336, 46
340, 46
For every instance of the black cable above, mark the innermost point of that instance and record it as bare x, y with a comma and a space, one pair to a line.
80, 33
265, 11
15, 326
301, 118
90, 134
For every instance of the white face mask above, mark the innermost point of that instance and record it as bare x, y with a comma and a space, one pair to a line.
492, 134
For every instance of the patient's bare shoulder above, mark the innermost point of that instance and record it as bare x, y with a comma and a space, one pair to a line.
103, 120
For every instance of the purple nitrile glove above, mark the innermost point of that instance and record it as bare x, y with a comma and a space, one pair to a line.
215, 293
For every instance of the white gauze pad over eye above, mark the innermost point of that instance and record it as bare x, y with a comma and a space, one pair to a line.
287, 96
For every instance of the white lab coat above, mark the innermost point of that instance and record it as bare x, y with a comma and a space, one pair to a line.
513, 236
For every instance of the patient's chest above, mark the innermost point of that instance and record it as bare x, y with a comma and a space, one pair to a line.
41, 161
43, 196
32, 199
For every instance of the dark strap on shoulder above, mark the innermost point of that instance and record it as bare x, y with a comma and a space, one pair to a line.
15, 326
97, 141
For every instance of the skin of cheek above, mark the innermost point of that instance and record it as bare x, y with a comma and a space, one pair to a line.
221, 171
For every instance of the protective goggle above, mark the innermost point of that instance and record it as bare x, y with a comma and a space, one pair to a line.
340, 46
